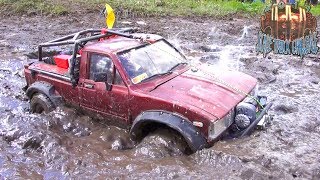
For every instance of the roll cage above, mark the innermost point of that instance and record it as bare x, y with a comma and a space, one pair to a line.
78, 42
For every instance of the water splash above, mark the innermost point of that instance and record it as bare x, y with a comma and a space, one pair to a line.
228, 55
215, 32
175, 40
245, 32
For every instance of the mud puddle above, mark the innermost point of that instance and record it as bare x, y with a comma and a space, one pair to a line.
67, 144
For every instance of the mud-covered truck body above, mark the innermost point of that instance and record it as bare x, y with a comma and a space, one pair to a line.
143, 82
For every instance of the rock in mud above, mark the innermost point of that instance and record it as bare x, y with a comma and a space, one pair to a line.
12, 135
315, 80
285, 109
248, 60
33, 143
81, 131
117, 145
207, 48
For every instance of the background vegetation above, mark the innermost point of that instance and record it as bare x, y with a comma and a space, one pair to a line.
9, 7
212, 8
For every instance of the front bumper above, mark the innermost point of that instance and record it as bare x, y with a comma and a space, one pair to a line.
255, 115
254, 112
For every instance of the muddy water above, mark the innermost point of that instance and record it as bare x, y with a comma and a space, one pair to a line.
67, 144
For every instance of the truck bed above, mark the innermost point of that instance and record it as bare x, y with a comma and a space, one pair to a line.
50, 69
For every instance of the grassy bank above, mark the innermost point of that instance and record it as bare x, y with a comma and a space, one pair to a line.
212, 8
187, 7
9, 7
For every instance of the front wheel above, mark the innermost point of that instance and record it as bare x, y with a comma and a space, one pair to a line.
41, 103
166, 141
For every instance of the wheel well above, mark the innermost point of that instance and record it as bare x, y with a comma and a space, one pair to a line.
149, 121
44, 88
149, 127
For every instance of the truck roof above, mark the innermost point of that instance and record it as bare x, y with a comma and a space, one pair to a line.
118, 43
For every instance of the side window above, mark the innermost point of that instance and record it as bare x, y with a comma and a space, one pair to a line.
118, 80
101, 68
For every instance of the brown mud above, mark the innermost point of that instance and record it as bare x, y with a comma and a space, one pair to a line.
66, 144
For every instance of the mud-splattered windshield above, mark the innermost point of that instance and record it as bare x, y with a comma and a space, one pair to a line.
146, 62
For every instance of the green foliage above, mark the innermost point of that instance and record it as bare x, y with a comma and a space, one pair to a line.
31, 6
315, 10
184, 7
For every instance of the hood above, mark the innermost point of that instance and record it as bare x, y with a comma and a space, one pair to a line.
216, 93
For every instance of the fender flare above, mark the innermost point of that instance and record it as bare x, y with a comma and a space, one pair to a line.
190, 133
46, 89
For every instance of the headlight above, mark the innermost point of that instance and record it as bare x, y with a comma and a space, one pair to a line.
218, 127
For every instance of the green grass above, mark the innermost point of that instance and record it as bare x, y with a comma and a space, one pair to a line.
315, 10
184, 7
9, 7
208, 8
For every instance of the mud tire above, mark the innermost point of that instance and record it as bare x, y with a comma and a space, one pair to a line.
173, 141
41, 103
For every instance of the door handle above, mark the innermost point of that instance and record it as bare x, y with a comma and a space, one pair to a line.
89, 86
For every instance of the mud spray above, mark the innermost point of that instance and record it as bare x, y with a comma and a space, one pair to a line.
68, 144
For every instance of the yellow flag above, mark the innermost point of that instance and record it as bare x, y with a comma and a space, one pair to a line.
110, 16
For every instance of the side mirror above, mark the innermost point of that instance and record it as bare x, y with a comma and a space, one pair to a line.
102, 77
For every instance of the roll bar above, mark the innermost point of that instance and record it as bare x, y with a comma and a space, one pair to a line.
91, 35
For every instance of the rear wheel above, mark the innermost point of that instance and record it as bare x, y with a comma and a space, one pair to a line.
41, 103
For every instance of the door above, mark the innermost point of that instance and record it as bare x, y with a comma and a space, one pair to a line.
95, 95
118, 98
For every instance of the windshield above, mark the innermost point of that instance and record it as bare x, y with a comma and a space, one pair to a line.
148, 61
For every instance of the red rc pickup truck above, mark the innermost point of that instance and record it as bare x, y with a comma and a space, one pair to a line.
143, 82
